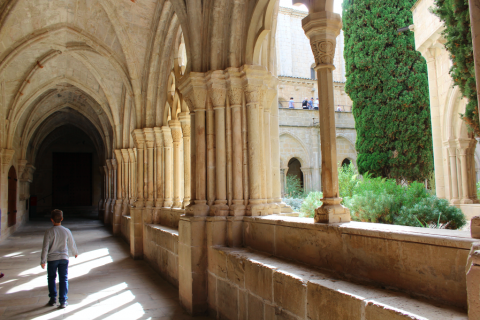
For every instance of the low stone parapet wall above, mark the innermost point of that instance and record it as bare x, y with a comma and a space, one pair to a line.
168, 217
161, 251
423, 262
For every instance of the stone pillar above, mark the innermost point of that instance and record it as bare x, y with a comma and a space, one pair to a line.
474, 7
270, 97
108, 203
149, 178
322, 28
101, 203
176, 130
283, 175
462, 146
473, 282
118, 203
159, 170
192, 266
472, 174
184, 118
210, 129
136, 214
168, 166
126, 183
253, 87
139, 141
235, 96
430, 57
452, 152
275, 159
217, 92
133, 181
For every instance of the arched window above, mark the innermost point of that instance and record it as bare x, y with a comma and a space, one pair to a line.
12, 197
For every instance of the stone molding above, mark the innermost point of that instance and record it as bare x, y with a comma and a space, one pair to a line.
194, 90
138, 138
149, 136
217, 88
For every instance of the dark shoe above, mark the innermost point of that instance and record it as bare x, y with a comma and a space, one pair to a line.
1, 275
63, 305
52, 302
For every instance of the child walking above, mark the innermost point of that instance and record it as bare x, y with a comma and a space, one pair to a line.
56, 242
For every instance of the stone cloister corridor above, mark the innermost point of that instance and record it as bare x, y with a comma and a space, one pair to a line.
105, 283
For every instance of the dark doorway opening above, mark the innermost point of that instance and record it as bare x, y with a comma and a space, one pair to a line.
71, 179
346, 162
294, 169
12, 197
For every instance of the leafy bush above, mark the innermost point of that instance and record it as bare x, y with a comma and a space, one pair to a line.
294, 203
311, 202
431, 212
294, 188
384, 201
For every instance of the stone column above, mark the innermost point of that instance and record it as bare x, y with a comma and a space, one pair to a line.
108, 203
139, 141
149, 136
184, 118
452, 152
322, 28
235, 95
133, 181
270, 97
253, 87
159, 171
168, 160
275, 159
429, 55
126, 183
474, 7
472, 174
217, 91
210, 129
118, 203
462, 146
176, 128
101, 203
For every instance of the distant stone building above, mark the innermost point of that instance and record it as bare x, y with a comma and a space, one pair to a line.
299, 130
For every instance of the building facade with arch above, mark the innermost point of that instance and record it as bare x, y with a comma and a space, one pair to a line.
455, 150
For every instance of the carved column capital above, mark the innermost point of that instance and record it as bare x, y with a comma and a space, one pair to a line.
322, 28
233, 78
462, 146
149, 136
6, 156
138, 138
114, 164
125, 156
217, 88
194, 90
132, 155
253, 83
176, 130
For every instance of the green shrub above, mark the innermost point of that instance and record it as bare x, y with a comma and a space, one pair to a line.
431, 212
372, 207
347, 180
294, 203
294, 188
311, 202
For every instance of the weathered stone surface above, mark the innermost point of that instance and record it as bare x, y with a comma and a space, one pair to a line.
259, 279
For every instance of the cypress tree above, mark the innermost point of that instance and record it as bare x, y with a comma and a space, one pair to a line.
388, 84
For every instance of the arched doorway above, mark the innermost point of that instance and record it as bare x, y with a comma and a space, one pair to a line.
346, 162
12, 197
295, 182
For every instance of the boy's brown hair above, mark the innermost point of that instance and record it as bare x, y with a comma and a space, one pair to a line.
57, 215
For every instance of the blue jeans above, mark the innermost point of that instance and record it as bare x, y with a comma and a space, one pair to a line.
62, 266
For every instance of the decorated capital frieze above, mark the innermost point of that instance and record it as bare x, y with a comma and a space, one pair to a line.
138, 138
126, 158
149, 136
194, 90
158, 136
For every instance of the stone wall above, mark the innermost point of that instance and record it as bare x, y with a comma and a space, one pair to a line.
125, 228
300, 138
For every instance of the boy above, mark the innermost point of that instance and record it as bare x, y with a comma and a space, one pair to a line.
56, 242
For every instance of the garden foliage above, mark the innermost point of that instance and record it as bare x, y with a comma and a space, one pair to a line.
311, 202
456, 17
383, 200
387, 82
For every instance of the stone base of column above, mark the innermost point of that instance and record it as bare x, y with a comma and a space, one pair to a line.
220, 209
455, 201
200, 209
235, 231
332, 211
466, 201
257, 208
167, 203
237, 209
139, 204
117, 217
475, 227
192, 264
125, 208
177, 204
136, 233
148, 215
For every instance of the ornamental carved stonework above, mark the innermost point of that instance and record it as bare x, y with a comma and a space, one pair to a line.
253, 94
186, 131
176, 135
218, 96
323, 51
235, 96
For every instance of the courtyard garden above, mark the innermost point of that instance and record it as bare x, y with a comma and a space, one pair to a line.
380, 200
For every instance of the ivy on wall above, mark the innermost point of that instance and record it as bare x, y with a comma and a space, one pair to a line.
456, 17
388, 84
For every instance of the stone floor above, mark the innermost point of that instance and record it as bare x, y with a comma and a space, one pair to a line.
105, 283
